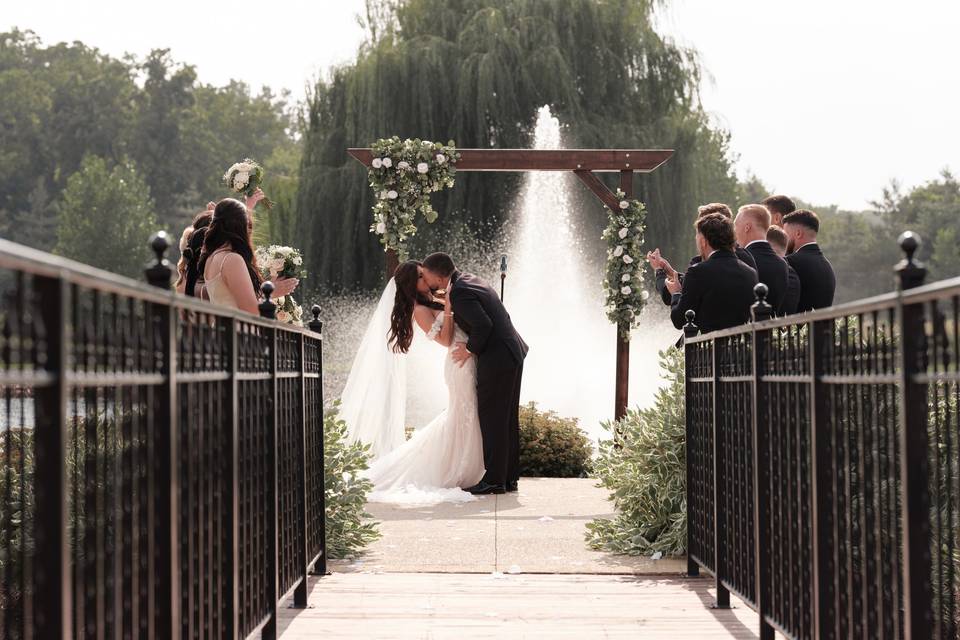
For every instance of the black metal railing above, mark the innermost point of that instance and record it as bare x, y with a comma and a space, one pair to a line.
823, 463
161, 459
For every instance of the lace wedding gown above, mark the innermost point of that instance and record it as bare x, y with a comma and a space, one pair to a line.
443, 456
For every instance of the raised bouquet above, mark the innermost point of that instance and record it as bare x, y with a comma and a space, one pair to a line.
276, 262
245, 178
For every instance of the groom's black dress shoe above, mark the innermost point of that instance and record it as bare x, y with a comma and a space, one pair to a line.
513, 487
483, 488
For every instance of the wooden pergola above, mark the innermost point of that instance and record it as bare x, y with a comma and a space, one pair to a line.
583, 163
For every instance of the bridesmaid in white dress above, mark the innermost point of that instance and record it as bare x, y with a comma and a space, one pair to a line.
447, 454
228, 264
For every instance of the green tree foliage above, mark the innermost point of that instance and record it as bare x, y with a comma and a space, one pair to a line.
644, 467
63, 102
476, 71
106, 217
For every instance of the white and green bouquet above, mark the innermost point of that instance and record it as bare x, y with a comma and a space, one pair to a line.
245, 178
276, 262
623, 283
403, 174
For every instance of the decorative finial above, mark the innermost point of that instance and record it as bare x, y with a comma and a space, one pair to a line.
268, 309
760, 310
159, 273
690, 329
910, 272
316, 324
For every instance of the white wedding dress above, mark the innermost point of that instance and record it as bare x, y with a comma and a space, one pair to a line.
439, 459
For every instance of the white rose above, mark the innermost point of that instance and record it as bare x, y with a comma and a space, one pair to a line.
427, 143
627, 259
283, 316
644, 294
624, 204
297, 260
387, 162
242, 176
383, 195
626, 291
381, 228
245, 167
277, 264
423, 167
623, 233
403, 165
377, 163
441, 158
279, 301
618, 251
239, 185
625, 277
392, 194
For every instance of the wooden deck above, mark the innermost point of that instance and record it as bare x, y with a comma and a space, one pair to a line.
511, 566
424, 605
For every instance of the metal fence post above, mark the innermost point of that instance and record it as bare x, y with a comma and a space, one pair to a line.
759, 312
320, 567
719, 533
52, 567
914, 445
690, 330
232, 529
821, 484
300, 593
273, 456
167, 438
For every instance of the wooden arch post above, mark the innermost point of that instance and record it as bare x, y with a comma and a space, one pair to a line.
583, 163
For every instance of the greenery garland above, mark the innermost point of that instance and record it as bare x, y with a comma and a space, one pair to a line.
623, 283
402, 175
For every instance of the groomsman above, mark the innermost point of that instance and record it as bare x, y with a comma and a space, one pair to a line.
778, 241
751, 226
779, 206
664, 270
719, 288
817, 280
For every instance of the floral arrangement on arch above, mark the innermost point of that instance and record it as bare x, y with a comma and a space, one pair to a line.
403, 174
623, 283
278, 261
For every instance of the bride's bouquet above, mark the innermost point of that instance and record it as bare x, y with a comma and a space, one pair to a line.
275, 262
245, 177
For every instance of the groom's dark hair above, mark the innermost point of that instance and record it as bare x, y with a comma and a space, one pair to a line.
440, 263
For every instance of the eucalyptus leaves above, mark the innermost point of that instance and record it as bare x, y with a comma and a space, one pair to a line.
403, 174
624, 278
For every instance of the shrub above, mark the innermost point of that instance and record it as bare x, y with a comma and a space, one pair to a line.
551, 446
349, 528
646, 474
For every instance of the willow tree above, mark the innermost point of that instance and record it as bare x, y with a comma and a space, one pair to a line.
476, 71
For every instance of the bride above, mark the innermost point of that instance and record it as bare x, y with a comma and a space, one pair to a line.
441, 457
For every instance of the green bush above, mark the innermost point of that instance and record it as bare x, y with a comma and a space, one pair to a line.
551, 446
646, 474
349, 527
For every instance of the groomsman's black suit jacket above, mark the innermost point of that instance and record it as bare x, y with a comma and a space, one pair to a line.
480, 313
719, 290
817, 280
661, 276
772, 270
792, 298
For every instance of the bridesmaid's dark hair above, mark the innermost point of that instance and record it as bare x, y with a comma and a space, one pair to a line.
407, 297
191, 254
231, 225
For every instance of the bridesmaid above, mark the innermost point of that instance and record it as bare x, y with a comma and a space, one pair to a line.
228, 264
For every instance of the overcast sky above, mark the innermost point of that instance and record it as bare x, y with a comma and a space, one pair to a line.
825, 99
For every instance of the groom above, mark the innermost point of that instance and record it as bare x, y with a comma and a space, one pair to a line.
499, 351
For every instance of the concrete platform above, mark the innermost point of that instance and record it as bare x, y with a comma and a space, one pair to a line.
538, 530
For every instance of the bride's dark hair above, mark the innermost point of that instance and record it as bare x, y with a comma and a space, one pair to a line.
407, 297
231, 226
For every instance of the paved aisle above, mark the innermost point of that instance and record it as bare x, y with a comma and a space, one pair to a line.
512, 565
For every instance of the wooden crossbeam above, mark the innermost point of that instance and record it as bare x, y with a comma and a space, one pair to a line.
599, 189
639, 160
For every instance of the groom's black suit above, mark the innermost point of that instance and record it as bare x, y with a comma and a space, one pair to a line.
500, 351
